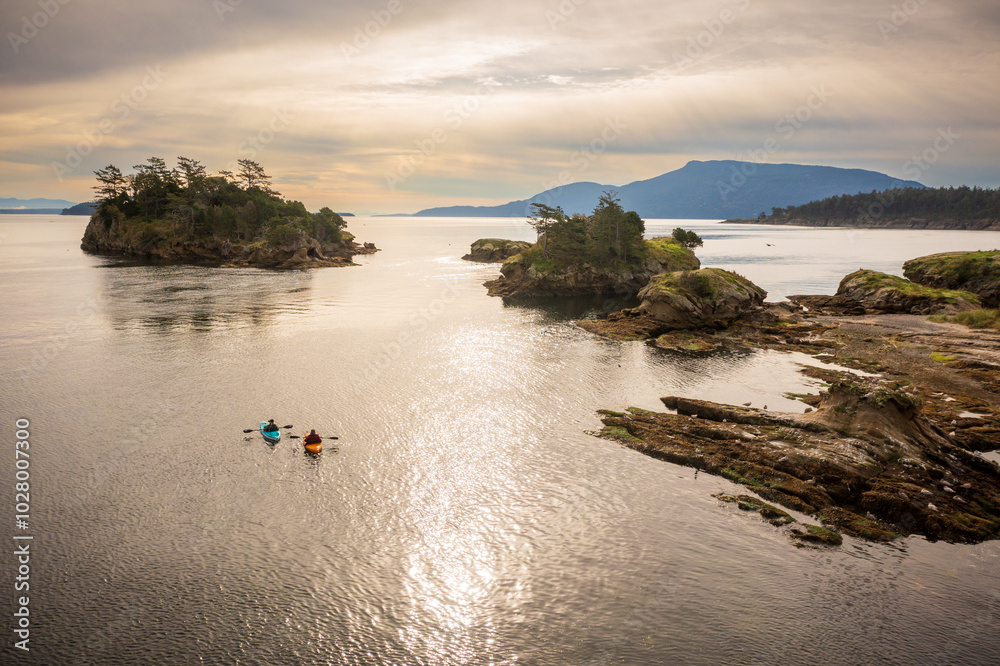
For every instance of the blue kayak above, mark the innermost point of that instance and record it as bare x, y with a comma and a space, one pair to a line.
269, 437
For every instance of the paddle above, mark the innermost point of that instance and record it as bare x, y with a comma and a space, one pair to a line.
256, 429
299, 437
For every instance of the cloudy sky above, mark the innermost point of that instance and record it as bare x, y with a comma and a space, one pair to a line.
397, 105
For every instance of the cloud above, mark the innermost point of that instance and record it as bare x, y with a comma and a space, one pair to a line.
485, 97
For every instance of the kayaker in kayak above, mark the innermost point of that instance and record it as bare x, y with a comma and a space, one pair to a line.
270, 427
312, 438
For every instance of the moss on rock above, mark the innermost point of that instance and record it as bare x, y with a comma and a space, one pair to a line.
709, 297
978, 272
495, 249
893, 294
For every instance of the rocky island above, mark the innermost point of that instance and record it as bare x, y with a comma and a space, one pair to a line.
492, 250
600, 254
185, 215
892, 452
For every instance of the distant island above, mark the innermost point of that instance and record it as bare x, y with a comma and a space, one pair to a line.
29, 206
14, 206
963, 207
86, 208
710, 190
183, 214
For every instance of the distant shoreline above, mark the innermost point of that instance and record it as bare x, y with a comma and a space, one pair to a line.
888, 223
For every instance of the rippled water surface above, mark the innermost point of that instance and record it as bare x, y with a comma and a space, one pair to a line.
466, 515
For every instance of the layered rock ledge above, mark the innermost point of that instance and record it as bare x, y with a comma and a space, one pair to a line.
866, 462
893, 454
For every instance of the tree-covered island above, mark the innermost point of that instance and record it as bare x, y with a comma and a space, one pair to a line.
973, 208
601, 253
184, 214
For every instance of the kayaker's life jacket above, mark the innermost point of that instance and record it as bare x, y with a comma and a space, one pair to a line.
271, 428
312, 439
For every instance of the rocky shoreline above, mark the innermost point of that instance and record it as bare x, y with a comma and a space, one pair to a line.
875, 458
889, 454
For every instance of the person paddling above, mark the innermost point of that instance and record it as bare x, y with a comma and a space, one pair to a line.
312, 438
270, 427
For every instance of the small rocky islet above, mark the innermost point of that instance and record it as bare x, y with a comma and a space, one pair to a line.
890, 453
184, 215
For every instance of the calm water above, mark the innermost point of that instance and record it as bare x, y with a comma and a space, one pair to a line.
466, 516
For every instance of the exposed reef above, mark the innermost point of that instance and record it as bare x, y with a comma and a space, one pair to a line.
866, 462
875, 457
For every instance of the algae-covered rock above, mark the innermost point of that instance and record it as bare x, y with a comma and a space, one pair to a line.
490, 250
978, 272
892, 294
709, 297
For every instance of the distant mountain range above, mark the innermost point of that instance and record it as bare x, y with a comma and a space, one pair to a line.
718, 189
25, 204
44, 207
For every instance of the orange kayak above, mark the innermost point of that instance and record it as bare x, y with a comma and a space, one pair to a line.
314, 448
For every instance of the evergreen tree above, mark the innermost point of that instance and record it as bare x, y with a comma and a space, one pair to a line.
110, 183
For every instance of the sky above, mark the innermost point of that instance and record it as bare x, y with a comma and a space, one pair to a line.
391, 106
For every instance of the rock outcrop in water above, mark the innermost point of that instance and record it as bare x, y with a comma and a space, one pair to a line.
705, 298
977, 272
881, 292
873, 460
490, 250
528, 275
866, 462
149, 243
